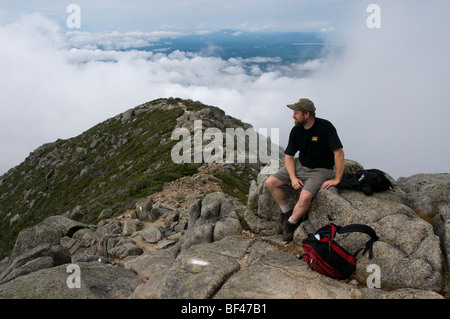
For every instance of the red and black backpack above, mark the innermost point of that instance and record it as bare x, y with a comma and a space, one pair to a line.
327, 257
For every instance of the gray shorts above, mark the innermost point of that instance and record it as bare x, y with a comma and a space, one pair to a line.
312, 178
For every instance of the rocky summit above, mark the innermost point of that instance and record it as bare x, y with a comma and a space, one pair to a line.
109, 215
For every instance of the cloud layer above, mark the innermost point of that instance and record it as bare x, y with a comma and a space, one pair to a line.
387, 94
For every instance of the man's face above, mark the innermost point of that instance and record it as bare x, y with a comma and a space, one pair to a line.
299, 118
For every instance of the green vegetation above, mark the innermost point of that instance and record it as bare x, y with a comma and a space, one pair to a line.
236, 184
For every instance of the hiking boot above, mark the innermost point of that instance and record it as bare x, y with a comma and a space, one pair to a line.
288, 231
283, 219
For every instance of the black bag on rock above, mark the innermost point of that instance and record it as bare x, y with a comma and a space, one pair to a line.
327, 257
368, 181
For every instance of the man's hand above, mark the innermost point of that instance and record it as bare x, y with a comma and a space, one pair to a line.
296, 183
327, 184
339, 162
290, 167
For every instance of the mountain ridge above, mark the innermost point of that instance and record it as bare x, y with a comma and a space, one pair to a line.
106, 168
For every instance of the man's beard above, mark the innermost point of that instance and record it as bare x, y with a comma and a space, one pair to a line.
299, 123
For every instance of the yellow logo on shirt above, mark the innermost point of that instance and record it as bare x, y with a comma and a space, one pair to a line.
314, 138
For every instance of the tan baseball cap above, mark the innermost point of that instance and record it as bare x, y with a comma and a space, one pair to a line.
303, 104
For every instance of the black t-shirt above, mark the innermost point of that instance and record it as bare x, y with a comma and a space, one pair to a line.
316, 145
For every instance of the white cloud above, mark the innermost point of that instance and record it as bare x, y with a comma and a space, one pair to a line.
116, 40
329, 29
387, 95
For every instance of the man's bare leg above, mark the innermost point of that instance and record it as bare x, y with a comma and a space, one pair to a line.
274, 185
300, 210
302, 206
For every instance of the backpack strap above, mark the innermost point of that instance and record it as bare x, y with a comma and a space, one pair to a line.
362, 229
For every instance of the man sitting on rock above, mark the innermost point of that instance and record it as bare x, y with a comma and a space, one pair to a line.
320, 149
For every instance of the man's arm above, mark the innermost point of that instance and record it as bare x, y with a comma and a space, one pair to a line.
290, 167
339, 164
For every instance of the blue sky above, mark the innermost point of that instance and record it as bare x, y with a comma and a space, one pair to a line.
387, 92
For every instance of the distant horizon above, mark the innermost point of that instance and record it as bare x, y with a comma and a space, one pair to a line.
288, 47
191, 16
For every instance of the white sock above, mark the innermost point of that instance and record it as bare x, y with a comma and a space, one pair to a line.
292, 221
285, 208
